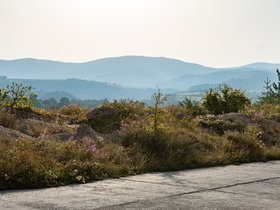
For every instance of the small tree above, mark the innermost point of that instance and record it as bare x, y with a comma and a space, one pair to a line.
50, 103
193, 107
188, 103
17, 95
272, 91
64, 101
156, 110
225, 99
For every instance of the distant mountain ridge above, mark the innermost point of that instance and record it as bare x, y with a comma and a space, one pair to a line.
134, 75
135, 71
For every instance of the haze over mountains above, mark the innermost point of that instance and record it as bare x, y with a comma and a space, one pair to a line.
136, 71
134, 76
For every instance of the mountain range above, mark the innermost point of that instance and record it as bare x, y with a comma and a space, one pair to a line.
131, 76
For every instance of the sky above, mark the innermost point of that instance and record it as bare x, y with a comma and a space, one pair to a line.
217, 33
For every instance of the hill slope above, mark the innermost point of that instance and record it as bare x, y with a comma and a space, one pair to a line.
83, 89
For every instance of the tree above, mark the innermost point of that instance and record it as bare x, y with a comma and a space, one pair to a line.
49, 103
193, 107
159, 100
188, 103
271, 94
225, 99
17, 95
64, 101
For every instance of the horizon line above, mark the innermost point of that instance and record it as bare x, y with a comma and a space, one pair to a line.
145, 56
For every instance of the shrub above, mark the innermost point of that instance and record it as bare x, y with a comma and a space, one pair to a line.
74, 111
156, 111
224, 100
193, 108
64, 101
17, 95
3, 95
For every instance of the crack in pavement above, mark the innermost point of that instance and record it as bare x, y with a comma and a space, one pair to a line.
191, 192
157, 183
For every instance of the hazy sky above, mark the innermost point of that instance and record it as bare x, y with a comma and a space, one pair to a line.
209, 32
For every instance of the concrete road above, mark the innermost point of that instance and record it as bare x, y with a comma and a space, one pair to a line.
247, 186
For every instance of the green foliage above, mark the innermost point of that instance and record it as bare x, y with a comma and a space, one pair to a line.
3, 95
224, 100
188, 103
50, 103
64, 101
156, 111
271, 94
17, 95
192, 107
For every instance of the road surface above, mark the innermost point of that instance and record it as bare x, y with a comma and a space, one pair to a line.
247, 186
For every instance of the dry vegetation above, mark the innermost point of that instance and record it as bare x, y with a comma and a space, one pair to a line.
128, 142
40, 148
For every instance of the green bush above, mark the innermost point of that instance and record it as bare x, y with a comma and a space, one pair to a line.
224, 100
193, 108
17, 95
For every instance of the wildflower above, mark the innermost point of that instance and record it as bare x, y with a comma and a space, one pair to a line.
92, 148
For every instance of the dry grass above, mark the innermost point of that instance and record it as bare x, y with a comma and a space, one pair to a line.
7, 119
177, 143
74, 111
